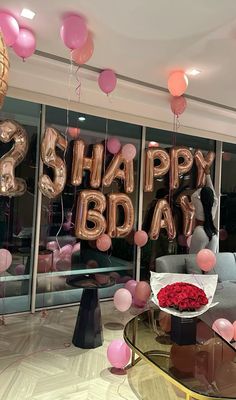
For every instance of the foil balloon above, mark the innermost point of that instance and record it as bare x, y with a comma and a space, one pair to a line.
201, 163
151, 170
114, 171
81, 163
120, 200
178, 168
9, 184
4, 69
95, 216
51, 140
162, 219
188, 211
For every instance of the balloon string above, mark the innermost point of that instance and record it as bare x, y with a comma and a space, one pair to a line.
66, 138
62, 221
78, 87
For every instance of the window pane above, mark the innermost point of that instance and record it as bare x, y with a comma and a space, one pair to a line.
161, 189
87, 265
228, 199
17, 213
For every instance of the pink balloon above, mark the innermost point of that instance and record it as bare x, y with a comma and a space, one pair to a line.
92, 264
182, 240
45, 261
9, 27
189, 239
226, 156
118, 353
130, 286
102, 279
66, 250
142, 291
223, 234
234, 325
83, 54
115, 276
138, 303
140, 238
107, 81
73, 132
128, 151
74, 32
5, 260
224, 328
113, 145
205, 259
25, 44
178, 105
52, 246
122, 299
20, 269
153, 144
103, 242
76, 248
177, 83
67, 226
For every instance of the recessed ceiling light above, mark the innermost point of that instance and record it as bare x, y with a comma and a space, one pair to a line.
193, 72
26, 13
82, 118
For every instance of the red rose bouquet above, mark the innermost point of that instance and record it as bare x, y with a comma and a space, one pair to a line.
182, 296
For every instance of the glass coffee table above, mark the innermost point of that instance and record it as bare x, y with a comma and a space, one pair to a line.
205, 370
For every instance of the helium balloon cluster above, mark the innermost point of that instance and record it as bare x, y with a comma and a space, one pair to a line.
76, 36
177, 85
136, 293
22, 40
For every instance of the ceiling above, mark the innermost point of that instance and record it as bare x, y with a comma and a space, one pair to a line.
145, 40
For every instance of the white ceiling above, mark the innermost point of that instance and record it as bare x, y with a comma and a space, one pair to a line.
146, 40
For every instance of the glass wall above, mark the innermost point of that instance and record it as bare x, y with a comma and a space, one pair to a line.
187, 184
228, 199
17, 227
67, 264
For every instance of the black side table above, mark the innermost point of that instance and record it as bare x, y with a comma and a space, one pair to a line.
88, 332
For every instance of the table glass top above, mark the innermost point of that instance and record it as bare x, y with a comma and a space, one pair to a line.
207, 368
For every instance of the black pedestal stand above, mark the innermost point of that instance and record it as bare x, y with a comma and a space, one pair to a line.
88, 329
183, 330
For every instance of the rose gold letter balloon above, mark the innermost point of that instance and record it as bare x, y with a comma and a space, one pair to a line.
4, 69
178, 168
162, 219
151, 171
201, 163
114, 171
115, 200
9, 185
52, 139
188, 211
93, 164
93, 215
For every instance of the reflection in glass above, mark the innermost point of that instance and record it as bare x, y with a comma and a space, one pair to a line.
17, 213
163, 246
76, 263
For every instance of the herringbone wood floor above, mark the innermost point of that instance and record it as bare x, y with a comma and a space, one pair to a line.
38, 362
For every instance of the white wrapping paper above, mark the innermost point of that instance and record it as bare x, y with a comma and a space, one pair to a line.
207, 283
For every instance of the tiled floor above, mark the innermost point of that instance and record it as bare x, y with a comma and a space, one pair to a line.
38, 362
